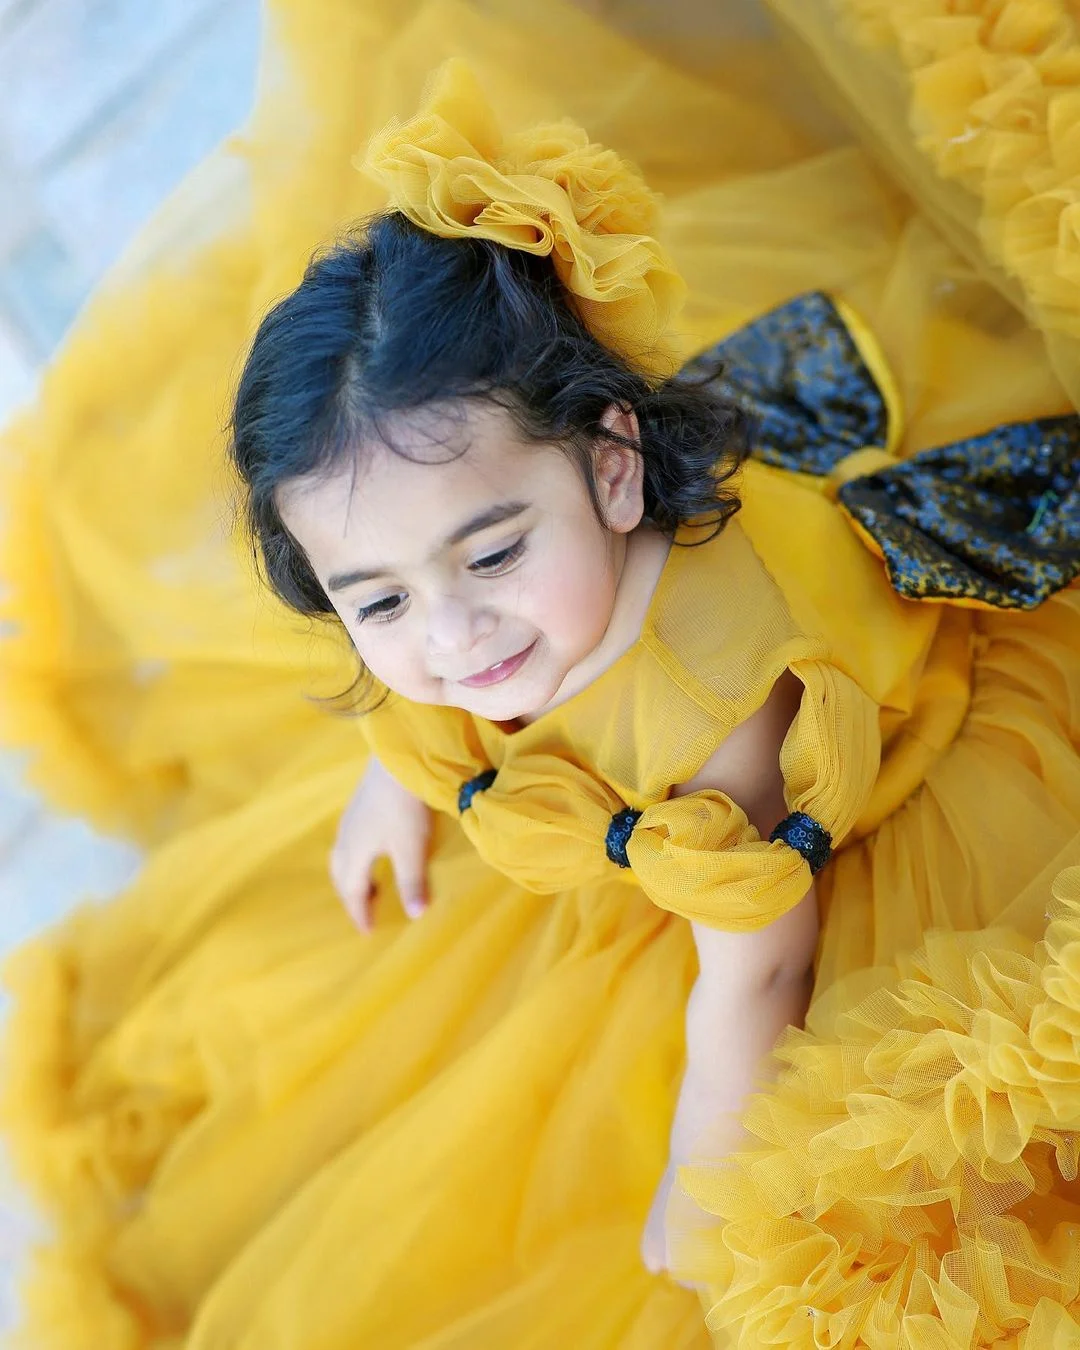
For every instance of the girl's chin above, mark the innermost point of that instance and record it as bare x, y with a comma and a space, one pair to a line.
524, 703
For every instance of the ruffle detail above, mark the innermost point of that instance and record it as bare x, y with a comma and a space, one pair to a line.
995, 98
548, 191
84, 1161
908, 1184
543, 819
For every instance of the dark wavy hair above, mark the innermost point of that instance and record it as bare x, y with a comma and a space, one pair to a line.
391, 319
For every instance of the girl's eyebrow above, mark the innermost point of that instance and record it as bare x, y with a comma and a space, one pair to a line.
483, 520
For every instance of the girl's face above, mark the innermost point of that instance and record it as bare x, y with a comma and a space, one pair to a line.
470, 570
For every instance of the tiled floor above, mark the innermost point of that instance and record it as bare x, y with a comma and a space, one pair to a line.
104, 106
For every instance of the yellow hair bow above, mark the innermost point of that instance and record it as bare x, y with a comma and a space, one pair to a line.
548, 191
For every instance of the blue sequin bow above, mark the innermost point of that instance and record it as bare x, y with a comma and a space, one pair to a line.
991, 520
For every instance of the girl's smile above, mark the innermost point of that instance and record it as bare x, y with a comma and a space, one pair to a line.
501, 670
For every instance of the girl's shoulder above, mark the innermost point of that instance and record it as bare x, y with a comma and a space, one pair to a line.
720, 625
788, 581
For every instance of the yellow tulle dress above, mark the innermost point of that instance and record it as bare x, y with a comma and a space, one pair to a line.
254, 1129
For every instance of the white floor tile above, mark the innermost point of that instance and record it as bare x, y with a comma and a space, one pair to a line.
98, 198
67, 61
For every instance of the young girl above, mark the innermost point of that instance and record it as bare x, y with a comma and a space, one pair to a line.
677, 676
455, 440
485, 496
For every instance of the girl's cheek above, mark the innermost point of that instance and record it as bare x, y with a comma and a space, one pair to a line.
580, 590
375, 656
399, 661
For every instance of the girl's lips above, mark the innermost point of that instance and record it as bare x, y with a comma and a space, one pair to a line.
501, 670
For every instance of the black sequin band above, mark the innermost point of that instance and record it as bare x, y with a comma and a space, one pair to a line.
618, 835
802, 833
469, 789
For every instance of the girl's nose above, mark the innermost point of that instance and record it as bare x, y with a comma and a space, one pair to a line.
456, 627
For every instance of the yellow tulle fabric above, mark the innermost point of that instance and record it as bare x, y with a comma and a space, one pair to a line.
982, 97
548, 190
899, 1166
251, 1128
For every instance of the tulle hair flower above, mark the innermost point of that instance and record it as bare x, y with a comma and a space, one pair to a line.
549, 191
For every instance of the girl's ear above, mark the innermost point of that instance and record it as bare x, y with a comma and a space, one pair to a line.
619, 469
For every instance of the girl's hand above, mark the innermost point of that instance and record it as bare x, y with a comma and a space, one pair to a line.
672, 1211
381, 818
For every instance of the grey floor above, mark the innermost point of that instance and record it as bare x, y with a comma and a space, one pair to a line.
104, 107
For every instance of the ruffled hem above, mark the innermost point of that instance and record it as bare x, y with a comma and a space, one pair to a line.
915, 1180
66, 1296
994, 92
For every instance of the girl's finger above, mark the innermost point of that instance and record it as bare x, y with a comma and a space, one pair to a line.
360, 906
353, 882
411, 883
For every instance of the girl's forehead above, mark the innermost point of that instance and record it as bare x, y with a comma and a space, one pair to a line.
433, 471
432, 461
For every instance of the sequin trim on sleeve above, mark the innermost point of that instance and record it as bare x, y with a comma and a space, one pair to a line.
472, 786
618, 835
803, 833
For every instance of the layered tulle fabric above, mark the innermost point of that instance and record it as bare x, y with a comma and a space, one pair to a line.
435, 1138
250, 1127
976, 106
914, 1179
911, 1179
548, 191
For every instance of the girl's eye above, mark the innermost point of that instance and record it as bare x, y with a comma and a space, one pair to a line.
380, 610
495, 563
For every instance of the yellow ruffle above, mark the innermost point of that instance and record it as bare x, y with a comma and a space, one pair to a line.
79, 1170
994, 103
549, 191
544, 819
905, 1185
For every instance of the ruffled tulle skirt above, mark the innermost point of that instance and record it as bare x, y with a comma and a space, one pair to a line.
911, 1178
252, 1128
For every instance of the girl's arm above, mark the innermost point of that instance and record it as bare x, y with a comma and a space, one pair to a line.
750, 986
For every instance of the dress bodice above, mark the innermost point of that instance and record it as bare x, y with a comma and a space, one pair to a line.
721, 628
